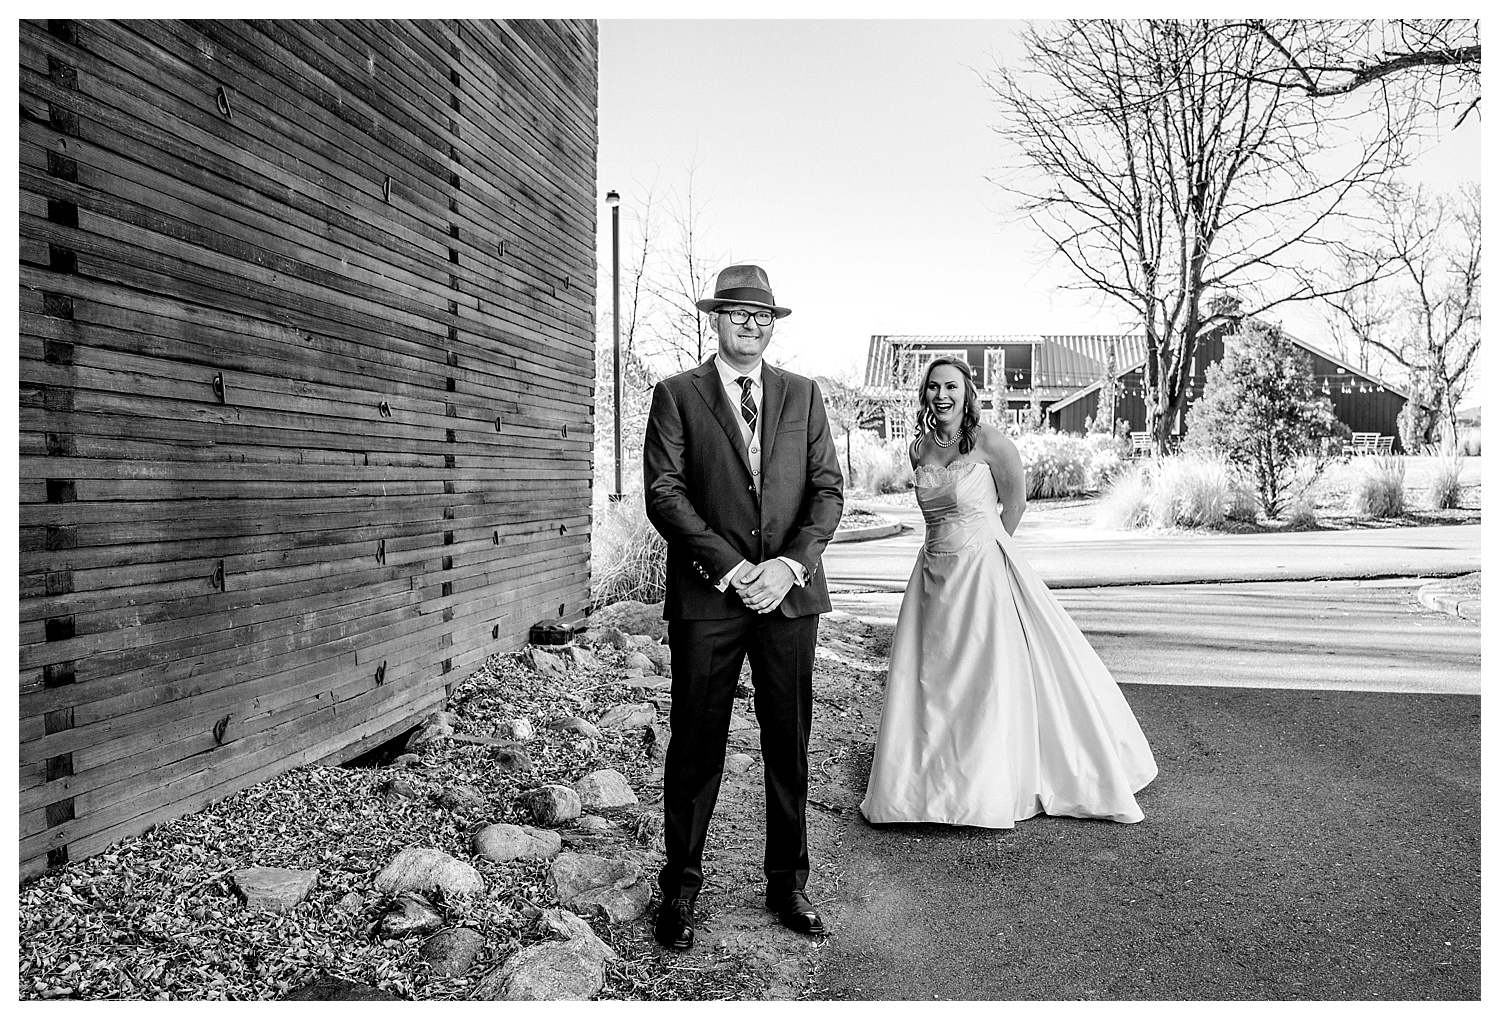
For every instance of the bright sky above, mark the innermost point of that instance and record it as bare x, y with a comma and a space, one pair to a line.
849, 158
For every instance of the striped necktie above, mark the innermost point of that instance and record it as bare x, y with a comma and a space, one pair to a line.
747, 403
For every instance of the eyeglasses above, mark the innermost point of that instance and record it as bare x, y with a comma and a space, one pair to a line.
740, 316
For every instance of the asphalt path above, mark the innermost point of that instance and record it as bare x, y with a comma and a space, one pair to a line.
1067, 556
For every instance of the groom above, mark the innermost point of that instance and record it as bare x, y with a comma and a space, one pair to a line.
743, 482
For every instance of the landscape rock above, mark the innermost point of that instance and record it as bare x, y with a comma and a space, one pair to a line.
640, 661
333, 989
587, 883
746, 737
407, 761
552, 804
739, 762
739, 722
657, 738
420, 869
593, 823
578, 656
544, 663
516, 729
569, 925
573, 724
399, 789
435, 727
351, 903
648, 682
412, 914
547, 972
603, 789
632, 617
504, 842
628, 716
660, 656
463, 797
606, 637
512, 760
274, 889
451, 953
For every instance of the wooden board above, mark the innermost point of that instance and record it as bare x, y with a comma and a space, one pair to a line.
306, 391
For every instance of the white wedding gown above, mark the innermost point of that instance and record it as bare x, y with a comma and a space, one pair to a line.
996, 707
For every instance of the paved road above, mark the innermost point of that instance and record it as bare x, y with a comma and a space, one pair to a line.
1071, 556
1317, 841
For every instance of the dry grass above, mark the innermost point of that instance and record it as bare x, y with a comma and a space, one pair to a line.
629, 555
1379, 487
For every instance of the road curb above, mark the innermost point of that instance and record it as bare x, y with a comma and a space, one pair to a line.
861, 534
1452, 596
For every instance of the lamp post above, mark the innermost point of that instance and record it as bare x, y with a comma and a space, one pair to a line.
612, 199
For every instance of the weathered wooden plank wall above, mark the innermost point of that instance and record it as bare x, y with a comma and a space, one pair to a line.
306, 373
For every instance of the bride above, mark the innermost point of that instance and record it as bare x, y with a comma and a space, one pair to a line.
996, 708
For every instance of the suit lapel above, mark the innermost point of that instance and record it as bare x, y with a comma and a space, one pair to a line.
706, 380
774, 385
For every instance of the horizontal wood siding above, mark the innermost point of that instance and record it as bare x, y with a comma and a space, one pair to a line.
306, 391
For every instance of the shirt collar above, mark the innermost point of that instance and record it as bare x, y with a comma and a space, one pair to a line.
728, 375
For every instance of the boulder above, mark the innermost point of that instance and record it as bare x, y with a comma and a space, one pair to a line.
351, 903
274, 889
420, 869
544, 663
605, 637
435, 727
546, 972
504, 842
450, 953
737, 763
568, 925
574, 724
552, 804
516, 729
660, 656
632, 617
412, 914
739, 722
593, 824
603, 789
628, 716
463, 797
648, 683
407, 761
333, 989
586, 883
637, 660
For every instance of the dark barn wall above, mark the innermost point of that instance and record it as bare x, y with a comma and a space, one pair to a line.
306, 386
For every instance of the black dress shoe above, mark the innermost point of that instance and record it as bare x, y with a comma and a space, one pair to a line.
796, 912
674, 924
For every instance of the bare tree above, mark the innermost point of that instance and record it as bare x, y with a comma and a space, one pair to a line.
687, 273
1428, 314
1432, 62
1161, 166
850, 408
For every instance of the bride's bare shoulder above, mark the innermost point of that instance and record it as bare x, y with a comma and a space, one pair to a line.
993, 442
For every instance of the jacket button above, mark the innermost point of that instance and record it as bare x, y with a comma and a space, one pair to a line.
754, 531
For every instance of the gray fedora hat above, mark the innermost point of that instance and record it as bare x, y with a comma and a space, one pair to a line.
743, 285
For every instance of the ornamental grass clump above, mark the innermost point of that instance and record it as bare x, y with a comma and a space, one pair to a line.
880, 465
1379, 487
629, 555
1192, 491
1444, 490
1056, 463
1126, 503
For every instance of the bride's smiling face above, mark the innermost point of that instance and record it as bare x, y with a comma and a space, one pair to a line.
944, 396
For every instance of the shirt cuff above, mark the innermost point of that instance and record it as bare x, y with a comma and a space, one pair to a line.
799, 572
723, 584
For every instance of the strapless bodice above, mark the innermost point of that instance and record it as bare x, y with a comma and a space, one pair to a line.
958, 503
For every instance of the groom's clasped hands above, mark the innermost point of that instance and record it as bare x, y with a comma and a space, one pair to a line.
762, 586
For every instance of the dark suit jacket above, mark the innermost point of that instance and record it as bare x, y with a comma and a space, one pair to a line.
700, 496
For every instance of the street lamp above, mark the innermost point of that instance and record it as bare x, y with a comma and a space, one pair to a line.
612, 199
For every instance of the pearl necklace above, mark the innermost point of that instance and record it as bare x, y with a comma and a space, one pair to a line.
936, 438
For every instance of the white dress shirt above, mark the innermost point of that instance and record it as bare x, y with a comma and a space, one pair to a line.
728, 378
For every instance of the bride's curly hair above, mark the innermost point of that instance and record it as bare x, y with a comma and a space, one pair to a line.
968, 427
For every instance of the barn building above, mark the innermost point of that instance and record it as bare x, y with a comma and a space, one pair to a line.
306, 392
1063, 376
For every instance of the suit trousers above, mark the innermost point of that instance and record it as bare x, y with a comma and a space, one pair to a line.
706, 660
